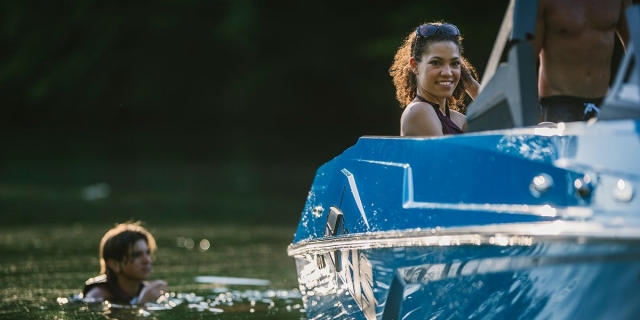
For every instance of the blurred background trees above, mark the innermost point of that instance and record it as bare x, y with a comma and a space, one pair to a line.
198, 109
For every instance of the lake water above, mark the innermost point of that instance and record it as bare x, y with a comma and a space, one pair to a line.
43, 268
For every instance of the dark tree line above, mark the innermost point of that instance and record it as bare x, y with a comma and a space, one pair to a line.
267, 74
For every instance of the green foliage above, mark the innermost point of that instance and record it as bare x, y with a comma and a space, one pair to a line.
203, 110
101, 61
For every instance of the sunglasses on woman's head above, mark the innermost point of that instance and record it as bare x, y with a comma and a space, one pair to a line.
428, 29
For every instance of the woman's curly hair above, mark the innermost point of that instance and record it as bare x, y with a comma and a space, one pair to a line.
405, 80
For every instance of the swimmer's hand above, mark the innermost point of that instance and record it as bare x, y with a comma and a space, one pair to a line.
152, 291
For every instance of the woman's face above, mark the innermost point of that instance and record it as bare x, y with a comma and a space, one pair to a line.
438, 72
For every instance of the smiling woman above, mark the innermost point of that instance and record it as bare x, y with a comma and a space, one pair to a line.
431, 78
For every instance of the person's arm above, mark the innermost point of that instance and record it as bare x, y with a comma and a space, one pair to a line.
472, 88
459, 119
468, 79
420, 119
622, 28
538, 40
97, 294
152, 291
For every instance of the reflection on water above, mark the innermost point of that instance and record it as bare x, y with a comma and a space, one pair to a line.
42, 271
220, 303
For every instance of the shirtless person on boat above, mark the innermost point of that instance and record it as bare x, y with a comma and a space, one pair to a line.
575, 41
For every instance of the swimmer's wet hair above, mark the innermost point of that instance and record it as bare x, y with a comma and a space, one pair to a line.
118, 242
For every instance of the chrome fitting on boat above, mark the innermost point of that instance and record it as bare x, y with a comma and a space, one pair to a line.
623, 191
317, 211
540, 184
584, 186
320, 261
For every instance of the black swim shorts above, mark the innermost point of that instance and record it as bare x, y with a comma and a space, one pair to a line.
568, 108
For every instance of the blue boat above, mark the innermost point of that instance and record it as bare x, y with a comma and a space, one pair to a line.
537, 221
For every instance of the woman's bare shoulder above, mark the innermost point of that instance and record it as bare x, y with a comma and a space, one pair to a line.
419, 108
420, 119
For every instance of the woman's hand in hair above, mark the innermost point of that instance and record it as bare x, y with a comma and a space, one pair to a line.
468, 78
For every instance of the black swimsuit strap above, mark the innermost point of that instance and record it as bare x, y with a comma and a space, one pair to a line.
446, 108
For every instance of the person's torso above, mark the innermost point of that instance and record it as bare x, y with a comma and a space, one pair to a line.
578, 46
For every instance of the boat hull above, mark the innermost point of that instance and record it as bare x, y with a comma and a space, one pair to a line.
532, 223
474, 276
513, 219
